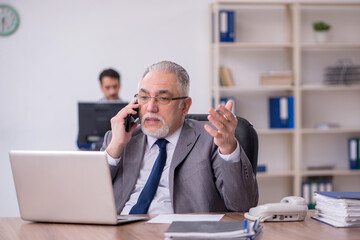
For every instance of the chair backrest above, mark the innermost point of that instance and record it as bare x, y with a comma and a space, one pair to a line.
245, 133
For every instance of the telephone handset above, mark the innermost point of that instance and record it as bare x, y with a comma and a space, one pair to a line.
290, 208
131, 118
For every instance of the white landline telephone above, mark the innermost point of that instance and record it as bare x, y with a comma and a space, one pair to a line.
290, 208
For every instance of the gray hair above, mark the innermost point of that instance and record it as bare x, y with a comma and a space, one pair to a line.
171, 67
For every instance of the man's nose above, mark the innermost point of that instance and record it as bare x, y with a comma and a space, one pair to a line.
152, 105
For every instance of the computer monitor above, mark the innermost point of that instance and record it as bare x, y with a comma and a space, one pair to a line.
94, 122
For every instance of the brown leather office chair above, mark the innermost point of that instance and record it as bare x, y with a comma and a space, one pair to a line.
245, 133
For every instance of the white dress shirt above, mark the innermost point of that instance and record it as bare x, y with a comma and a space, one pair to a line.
161, 204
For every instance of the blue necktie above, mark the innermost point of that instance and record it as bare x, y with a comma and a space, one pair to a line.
149, 190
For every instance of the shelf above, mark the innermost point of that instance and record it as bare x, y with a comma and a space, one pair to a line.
330, 131
274, 131
330, 4
252, 45
308, 173
273, 174
328, 46
285, 40
320, 87
335, 172
255, 3
261, 89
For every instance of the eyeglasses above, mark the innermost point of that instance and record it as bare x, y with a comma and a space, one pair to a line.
142, 99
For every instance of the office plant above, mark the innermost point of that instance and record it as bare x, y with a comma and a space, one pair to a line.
321, 31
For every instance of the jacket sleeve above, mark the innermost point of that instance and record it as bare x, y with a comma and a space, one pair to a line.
236, 182
107, 139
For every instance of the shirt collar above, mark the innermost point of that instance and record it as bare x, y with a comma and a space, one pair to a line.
173, 138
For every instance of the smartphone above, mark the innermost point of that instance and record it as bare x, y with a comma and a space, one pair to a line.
131, 118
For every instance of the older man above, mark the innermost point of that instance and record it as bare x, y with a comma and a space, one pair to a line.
203, 169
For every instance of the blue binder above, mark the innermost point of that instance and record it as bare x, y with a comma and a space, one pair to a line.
281, 111
223, 101
354, 153
227, 25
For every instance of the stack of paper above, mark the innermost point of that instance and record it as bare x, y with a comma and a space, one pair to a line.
213, 230
338, 209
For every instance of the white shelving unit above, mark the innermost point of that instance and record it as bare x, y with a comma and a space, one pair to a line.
278, 36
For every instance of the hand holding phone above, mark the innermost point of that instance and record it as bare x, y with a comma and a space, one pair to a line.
131, 118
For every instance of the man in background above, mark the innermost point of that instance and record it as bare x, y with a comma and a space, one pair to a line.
110, 85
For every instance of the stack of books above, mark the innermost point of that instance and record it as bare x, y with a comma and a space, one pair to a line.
338, 209
277, 77
226, 79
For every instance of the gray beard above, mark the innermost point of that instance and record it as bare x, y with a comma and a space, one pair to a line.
162, 132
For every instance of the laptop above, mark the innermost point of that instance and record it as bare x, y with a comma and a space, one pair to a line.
66, 187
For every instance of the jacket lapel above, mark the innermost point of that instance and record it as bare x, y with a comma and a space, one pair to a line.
133, 158
186, 142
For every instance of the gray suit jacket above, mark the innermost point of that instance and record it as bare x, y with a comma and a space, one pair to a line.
199, 179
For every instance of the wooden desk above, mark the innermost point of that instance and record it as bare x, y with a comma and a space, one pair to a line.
15, 228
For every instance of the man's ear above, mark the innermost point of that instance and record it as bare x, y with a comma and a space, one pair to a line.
186, 105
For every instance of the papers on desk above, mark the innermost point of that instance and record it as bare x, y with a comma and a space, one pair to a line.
213, 230
169, 218
338, 209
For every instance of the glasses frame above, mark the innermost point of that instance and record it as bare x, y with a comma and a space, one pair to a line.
157, 99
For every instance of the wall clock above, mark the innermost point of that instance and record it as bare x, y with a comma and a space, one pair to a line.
9, 20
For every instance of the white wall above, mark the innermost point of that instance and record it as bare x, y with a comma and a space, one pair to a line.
53, 60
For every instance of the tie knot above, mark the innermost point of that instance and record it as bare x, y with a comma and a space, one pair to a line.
161, 143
